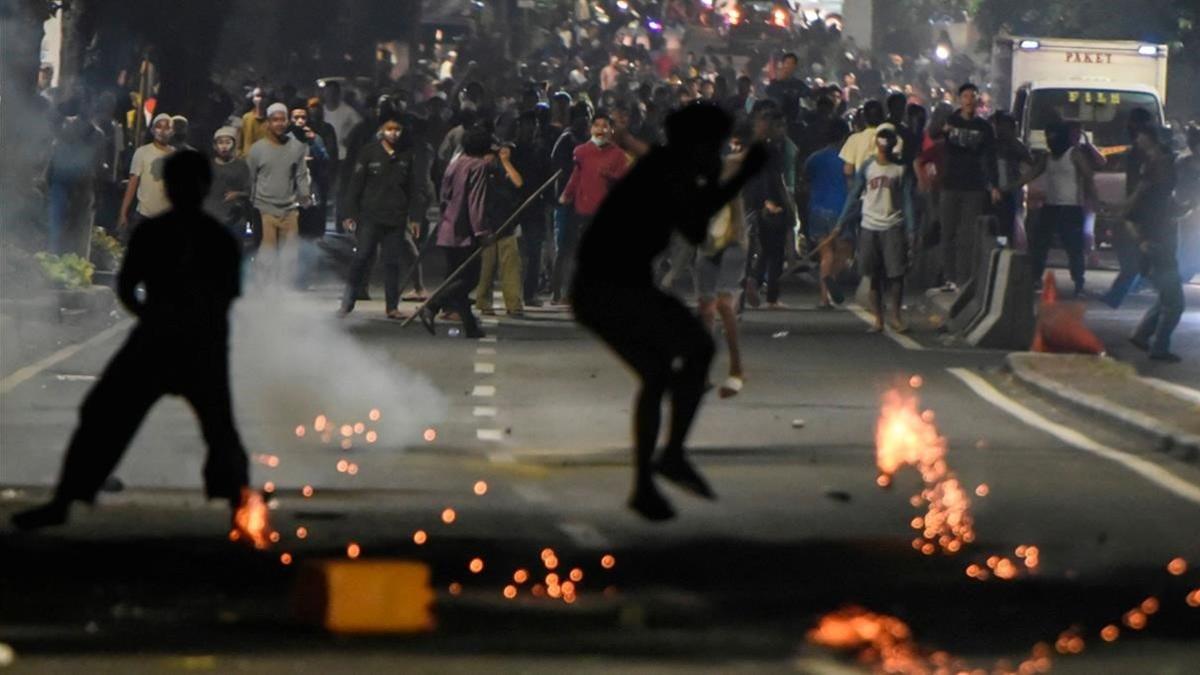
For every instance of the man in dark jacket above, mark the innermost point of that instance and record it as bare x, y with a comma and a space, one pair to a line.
386, 191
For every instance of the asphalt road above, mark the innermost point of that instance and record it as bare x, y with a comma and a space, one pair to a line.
540, 412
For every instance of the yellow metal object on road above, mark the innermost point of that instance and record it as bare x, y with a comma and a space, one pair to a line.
365, 596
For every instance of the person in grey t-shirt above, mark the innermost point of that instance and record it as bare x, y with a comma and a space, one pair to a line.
279, 186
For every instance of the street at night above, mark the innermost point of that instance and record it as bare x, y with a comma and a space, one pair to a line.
622, 336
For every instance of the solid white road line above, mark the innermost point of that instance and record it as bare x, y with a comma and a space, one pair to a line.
902, 340
483, 391
1146, 469
24, 374
484, 411
1186, 393
584, 535
484, 368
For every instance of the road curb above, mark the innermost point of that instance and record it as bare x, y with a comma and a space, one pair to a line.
1170, 439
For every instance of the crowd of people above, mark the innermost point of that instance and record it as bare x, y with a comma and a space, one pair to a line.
908, 188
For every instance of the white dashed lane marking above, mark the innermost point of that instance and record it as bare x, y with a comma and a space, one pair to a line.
484, 411
584, 535
492, 435
483, 391
484, 368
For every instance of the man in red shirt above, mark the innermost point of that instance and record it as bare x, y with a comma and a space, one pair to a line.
599, 164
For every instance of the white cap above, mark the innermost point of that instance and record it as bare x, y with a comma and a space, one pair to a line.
277, 108
158, 118
226, 131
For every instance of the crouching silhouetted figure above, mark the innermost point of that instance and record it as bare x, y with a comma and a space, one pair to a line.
674, 187
188, 265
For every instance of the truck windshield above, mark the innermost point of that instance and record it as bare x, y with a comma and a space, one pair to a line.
1101, 112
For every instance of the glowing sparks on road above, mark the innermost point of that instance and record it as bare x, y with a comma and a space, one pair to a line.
300, 431
982, 490
608, 562
430, 435
449, 516
906, 437
285, 558
551, 563
1110, 633
521, 576
887, 639
510, 591
576, 575
1193, 598
269, 487
307, 491
916, 381
481, 488
347, 430
359, 427
353, 550
372, 436
1069, 642
420, 537
1177, 567
1135, 619
476, 565
320, 423
347, 444
373, 415
250, 520
455, 588
342, 465
352, 469
301, 532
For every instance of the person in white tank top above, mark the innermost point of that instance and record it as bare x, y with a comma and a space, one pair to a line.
1070, 189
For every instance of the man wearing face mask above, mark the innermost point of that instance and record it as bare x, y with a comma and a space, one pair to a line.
146, 178
599, 164
387, 190
227, 199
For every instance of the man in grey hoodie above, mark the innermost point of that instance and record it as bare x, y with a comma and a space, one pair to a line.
279, 186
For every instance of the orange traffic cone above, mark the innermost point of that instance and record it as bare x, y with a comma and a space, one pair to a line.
1060, 327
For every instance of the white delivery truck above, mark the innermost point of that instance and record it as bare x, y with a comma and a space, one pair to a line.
1095, 83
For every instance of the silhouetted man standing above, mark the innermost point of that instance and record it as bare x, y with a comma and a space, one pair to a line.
675, 187
189, 266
